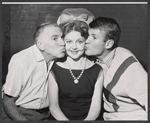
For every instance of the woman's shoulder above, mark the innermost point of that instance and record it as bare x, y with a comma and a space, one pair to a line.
61, 63
92, 64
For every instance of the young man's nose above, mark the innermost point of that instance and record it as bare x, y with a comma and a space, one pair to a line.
87, 40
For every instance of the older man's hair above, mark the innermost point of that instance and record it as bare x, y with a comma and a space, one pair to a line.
40, 29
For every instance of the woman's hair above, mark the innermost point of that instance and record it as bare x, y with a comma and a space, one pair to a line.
110, 26
76, 25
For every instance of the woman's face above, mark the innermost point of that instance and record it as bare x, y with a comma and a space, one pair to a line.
75, 44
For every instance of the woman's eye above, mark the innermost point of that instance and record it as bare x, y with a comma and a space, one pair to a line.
68, 42
80, 42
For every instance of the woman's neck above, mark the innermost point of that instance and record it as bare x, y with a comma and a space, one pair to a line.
78, 64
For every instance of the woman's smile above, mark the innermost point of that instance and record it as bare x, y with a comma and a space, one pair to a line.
74, 52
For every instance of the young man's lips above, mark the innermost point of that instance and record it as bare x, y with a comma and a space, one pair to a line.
86, 47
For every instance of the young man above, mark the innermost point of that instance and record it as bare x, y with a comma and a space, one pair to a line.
125, 82
25, 90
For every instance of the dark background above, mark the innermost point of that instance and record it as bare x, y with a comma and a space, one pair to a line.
20, 21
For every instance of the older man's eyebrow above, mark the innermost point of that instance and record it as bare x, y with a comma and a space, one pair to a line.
55, 36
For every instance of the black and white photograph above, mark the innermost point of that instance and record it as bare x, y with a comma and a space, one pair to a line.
74, 61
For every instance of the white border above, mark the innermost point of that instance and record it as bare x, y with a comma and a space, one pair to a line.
74, 2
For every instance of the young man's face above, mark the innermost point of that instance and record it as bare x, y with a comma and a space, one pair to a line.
52, 43
95, 45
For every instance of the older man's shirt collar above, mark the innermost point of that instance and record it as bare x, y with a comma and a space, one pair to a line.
38, 54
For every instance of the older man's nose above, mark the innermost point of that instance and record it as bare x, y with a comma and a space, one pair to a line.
61, 42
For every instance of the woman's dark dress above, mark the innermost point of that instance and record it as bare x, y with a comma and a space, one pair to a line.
75, 99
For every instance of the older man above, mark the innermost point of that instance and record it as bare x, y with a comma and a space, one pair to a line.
25, 90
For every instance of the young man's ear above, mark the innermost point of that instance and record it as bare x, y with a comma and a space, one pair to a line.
40, 45
109, 43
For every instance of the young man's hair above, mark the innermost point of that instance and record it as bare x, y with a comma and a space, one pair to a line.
110, 27
40, 29
76, 25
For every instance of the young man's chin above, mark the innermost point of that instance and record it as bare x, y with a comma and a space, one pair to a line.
88, 53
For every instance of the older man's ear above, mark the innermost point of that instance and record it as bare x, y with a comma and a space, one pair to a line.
40, 45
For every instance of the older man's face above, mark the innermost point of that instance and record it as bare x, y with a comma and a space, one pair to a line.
53, 44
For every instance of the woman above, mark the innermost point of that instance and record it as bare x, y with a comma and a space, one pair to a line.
75, 83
